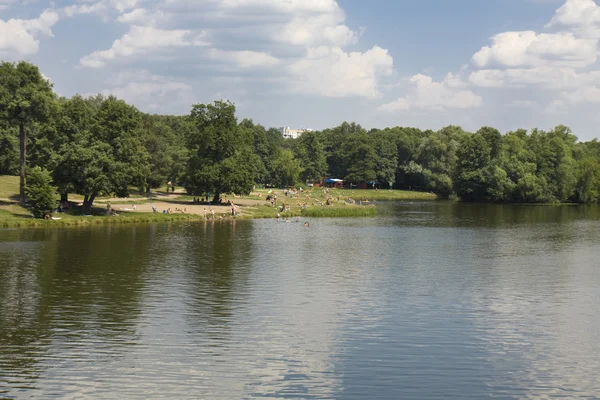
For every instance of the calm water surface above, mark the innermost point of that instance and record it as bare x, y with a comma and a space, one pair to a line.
426, 301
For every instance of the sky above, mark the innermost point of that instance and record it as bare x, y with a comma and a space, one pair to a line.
316, 63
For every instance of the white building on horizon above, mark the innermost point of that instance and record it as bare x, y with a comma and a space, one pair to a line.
289, 133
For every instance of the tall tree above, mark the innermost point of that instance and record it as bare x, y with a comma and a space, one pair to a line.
25, 97
311, 153
221, 155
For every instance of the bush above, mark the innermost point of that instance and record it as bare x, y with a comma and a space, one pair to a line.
40, 192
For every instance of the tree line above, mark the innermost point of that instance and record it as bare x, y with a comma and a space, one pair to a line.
101, 145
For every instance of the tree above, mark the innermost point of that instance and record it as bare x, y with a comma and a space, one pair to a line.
25, 97
360, 157
386, 149
221, 155
40, 192
9, 150
471, 178
437, 154
98, 148
311, 153
286, 169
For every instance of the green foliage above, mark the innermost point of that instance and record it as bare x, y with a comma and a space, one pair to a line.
311, 153
40, 192
286, 169
26, 97
221, 159
9, 150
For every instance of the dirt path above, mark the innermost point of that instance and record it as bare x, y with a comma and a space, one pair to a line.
184, 208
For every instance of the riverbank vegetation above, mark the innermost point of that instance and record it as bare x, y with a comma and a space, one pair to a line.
100, 146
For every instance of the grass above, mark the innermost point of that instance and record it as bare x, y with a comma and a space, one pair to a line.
357, 194
10, 220
9, 187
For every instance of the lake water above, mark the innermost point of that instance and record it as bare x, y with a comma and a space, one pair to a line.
426, 301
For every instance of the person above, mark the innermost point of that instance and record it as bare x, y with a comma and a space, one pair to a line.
154, 210
297, 219
108, 208
204, 212
307, 224
287, 220
278, 216
133, 206
212, 212
232, 209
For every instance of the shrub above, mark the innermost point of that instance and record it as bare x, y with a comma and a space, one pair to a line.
40, 192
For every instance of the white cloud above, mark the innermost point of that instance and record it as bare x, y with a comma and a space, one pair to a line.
588, 94
311, 31
20, 37
332, 72
141, 16
548, 77
244, 59
101, 7
143, 40
583, 16
529, 49
305, 39
563, 62
426, 94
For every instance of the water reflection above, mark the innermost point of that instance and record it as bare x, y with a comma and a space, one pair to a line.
431, 300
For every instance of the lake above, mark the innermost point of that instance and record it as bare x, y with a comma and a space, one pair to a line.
429, 300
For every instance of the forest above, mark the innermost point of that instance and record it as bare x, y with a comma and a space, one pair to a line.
101, 145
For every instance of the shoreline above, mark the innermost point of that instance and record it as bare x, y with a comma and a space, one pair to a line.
308, 204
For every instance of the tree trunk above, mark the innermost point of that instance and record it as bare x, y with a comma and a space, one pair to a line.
88, 201
23, 154
217, 198
64, 197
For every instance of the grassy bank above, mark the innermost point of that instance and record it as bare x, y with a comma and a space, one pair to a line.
10, 220
311, 203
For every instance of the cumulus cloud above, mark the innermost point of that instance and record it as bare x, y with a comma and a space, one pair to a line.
563, 62
547, 77
583, 16
304, 39
244, 59
20, 37
332, 72
143, 40
426, 94
100, 7
529, 49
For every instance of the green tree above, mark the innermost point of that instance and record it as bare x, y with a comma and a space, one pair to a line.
471, 178
311, 153
386, 149
437, 154
99, 148
221, 155
25, 97
9, 150
40, 192
286, 169
359, 154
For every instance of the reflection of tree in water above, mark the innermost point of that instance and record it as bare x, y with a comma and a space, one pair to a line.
218, 266
76, 289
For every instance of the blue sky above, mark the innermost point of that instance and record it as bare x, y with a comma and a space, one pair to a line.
316, 63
